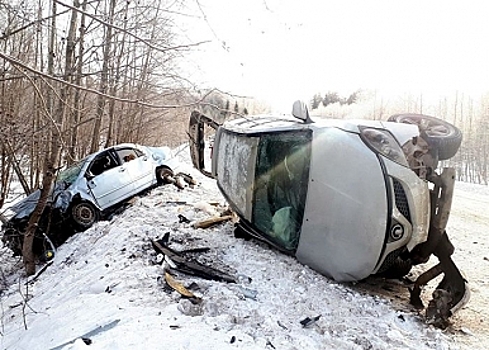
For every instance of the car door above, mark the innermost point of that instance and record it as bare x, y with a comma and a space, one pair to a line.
138, 166
108, 180
198, 124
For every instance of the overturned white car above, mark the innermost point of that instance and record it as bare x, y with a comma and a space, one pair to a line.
349, 198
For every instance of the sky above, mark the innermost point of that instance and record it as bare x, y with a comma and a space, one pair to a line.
285, 50
105, 284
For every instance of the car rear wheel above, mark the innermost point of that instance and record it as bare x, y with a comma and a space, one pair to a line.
164, 176
84, 214
441, 135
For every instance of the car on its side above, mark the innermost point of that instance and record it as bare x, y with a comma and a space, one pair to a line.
349, 198
88, 188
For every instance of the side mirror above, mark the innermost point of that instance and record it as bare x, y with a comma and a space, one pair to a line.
300, 111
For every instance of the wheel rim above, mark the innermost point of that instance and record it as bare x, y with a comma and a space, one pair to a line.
84, 214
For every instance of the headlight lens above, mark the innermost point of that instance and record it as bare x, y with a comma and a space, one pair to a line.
384, 143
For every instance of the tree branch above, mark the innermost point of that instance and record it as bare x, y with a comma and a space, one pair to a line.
148, 43
18, 63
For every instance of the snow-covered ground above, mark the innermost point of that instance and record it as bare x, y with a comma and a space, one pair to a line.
105, 284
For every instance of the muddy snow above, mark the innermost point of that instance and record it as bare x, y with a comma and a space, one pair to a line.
105, 289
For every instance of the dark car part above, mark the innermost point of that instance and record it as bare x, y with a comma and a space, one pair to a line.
453, 287
164, 175
197, 124
442, 136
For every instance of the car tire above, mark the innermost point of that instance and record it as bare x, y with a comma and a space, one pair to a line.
84, 215
441, 135
164, 175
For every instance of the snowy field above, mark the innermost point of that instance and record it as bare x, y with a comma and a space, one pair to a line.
105, 285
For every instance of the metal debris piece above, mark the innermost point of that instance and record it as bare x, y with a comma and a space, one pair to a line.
309, 321
182, 218
190, 267
177, 286
88, 335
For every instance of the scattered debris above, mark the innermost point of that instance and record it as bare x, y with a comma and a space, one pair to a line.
177, 286
195, 250
248, 293
269, 343
309, 321
193, 268
183, 219
86, 337
186, 307
213, 221
233, 339
282, 326
466, 331
438, 310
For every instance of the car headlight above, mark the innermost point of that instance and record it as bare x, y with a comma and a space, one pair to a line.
384, 143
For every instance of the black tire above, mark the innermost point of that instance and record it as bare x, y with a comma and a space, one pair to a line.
444, 137
84, 215
164, 175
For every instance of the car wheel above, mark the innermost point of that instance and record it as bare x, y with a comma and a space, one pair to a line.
164, 175
84, 214
441, 135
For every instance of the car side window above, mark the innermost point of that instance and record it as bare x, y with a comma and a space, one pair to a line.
101, 164
127, 154
281, 182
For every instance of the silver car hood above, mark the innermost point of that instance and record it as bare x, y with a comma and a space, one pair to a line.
344, 226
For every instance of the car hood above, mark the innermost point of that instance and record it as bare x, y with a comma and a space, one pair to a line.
26, 206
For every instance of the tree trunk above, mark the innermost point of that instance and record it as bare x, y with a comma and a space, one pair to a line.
103, 80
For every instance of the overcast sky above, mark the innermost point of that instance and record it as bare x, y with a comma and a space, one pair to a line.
285, 50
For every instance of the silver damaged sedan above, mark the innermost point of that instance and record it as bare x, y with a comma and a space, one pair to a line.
90, 187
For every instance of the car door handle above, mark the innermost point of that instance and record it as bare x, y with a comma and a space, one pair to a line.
122, 170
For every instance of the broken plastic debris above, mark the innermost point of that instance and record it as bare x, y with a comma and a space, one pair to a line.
310, 321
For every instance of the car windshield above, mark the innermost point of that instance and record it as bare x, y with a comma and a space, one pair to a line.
280, 187
70, 174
